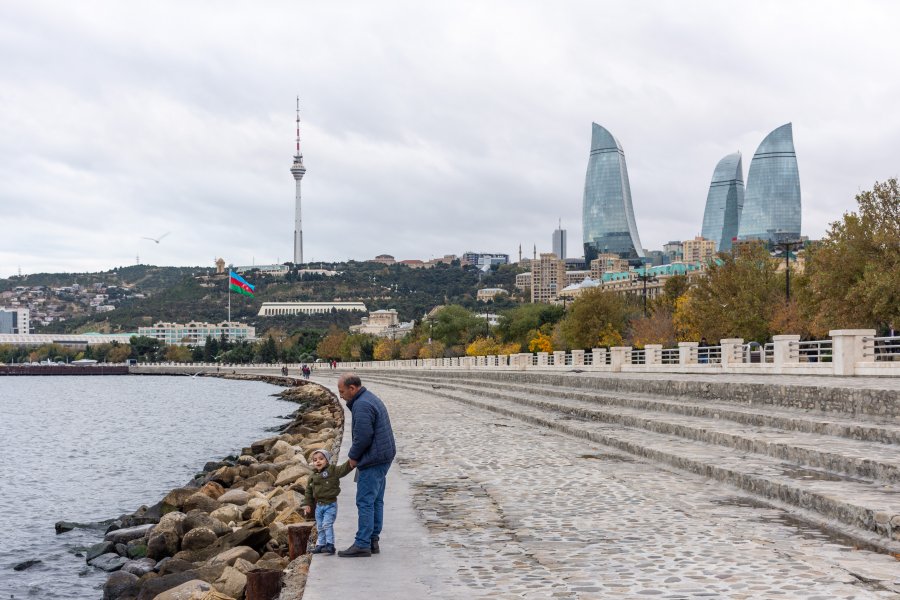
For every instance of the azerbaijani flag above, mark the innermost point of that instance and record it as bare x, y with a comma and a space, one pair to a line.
239, 284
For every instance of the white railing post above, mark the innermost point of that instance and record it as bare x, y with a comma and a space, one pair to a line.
559, 358
653, 354
619, 355
542, 359
781, 350
847, 349
687, 354
730, 349
577, 358
598, 357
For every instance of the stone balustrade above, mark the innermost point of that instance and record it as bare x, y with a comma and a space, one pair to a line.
848, 352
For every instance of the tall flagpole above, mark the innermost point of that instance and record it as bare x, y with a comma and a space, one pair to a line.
229, 296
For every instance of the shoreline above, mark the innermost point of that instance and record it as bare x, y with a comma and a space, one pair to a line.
231, 518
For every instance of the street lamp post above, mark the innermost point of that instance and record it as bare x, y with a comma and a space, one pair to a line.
645, 277
786, 246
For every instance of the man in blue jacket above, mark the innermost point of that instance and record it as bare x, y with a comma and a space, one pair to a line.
371, 453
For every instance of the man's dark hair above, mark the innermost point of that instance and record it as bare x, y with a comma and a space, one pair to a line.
351, 379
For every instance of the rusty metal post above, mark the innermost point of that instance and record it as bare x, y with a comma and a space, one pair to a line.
298, 539
264, 584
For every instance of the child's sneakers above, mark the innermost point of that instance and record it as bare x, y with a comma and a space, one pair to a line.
320, 549
329, 549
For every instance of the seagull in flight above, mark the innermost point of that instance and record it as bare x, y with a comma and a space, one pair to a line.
156, 239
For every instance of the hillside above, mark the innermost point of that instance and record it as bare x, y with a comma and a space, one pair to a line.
141, 295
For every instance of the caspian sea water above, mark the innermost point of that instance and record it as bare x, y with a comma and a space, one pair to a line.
91, 448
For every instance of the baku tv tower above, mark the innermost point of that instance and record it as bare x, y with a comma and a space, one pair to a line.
298, 171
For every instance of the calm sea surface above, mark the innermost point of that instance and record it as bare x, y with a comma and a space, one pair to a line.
91, 448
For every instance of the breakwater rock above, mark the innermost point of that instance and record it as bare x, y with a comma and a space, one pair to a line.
202, 539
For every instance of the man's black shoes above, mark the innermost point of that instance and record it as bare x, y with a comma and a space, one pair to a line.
375, 548
354, 551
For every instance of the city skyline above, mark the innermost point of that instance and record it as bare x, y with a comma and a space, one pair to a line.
430, 130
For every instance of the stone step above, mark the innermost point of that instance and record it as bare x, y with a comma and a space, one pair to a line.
807, 421
852, 458
872, 507
843, 397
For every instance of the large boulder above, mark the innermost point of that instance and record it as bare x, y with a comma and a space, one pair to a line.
175, 499
108, 562
185, 591
123, 536
118, 583
238, 554
225, 475
200, 501
255, 537
197, 518
242, 565
212, 489
173, 521
227, 513
250, 482
291, 474
287, 499
98, 549
198, 538
162, 543
139, 567
231, 583
235, 496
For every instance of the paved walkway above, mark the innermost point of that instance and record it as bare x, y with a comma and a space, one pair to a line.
481, 505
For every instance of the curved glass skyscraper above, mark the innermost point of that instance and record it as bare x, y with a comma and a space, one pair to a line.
607, 214
772, 205
724, 202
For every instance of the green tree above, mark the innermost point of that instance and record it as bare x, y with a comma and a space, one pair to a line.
268, 351
592, 313
738, 298
852, 279
674, 288
456, 326
520, 324
330, 346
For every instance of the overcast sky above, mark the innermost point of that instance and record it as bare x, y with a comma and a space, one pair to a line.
428, 128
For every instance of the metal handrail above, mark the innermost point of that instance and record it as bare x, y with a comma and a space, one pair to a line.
811, 351
670, 356
884, 349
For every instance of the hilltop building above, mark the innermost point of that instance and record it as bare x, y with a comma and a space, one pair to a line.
195, 333
482, 259
772, 203
607, 214
383, 323
488, 294
724, 203
276, 309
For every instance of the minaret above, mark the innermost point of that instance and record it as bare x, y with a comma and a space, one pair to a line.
298, 171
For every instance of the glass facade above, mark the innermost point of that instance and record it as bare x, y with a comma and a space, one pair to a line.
607, 214
772, 203
724, 202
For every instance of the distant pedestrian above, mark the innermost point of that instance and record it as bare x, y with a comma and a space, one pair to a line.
372, 451
322, 491
703, 351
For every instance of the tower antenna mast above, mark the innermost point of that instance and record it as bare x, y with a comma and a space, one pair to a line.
298, 170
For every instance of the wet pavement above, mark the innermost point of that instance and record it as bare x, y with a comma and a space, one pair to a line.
482, 505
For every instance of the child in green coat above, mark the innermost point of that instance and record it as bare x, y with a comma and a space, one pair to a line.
322, 491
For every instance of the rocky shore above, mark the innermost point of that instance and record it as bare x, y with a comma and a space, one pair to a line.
201, 540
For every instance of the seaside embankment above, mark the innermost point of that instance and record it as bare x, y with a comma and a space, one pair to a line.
203, 539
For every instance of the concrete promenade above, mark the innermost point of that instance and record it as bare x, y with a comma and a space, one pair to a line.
484, 505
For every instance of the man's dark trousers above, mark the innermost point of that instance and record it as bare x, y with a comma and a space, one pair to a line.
370, 503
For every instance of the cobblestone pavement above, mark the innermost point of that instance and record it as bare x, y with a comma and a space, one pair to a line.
529, 513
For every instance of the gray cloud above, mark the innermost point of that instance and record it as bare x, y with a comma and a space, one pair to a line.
428, 128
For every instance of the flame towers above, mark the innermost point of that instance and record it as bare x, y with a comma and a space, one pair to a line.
772, 205
298, 171
607, 213
724, 202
